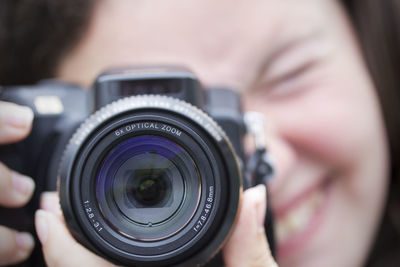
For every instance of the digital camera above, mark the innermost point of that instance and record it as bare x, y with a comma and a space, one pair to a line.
149, 166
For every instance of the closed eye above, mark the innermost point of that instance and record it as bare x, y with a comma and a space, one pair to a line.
287, 68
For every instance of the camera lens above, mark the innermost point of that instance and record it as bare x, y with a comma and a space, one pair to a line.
148, 187
150, 181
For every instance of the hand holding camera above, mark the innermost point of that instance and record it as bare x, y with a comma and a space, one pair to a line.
154, 177
15, 189
247, 245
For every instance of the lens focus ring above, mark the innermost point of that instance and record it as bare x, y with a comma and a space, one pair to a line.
150, 180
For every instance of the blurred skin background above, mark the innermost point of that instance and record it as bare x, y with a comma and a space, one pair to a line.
323, 76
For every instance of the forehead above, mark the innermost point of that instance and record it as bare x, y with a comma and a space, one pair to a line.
200, 34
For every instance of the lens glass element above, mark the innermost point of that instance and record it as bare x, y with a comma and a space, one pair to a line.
148, 187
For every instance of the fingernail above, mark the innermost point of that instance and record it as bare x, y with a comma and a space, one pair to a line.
22, 184
49, 202
24, 241
260, 195
41, 224
17, 116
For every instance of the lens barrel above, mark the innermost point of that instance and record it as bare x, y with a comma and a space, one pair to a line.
150, 181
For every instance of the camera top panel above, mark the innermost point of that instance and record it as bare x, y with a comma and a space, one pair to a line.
177, 82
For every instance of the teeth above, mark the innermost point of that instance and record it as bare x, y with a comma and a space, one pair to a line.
297, 219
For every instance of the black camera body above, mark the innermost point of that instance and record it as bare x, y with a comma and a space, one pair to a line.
153, 178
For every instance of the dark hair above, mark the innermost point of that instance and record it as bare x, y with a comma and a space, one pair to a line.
378, 27
34, 34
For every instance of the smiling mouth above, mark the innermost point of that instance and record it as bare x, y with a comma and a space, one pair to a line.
299, 220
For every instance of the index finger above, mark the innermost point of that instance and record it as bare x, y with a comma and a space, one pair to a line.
15, 122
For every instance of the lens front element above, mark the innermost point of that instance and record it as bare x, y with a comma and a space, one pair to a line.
148, 187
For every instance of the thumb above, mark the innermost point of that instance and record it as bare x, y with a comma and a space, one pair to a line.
59, 247
248, 244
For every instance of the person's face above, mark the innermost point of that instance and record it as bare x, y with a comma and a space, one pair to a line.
298, 63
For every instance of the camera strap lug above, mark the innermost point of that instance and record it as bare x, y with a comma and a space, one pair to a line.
260, 164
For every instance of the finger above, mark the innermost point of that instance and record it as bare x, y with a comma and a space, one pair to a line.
15, 189
50, 202
248, 245
15, 122
15, 247
59, 245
